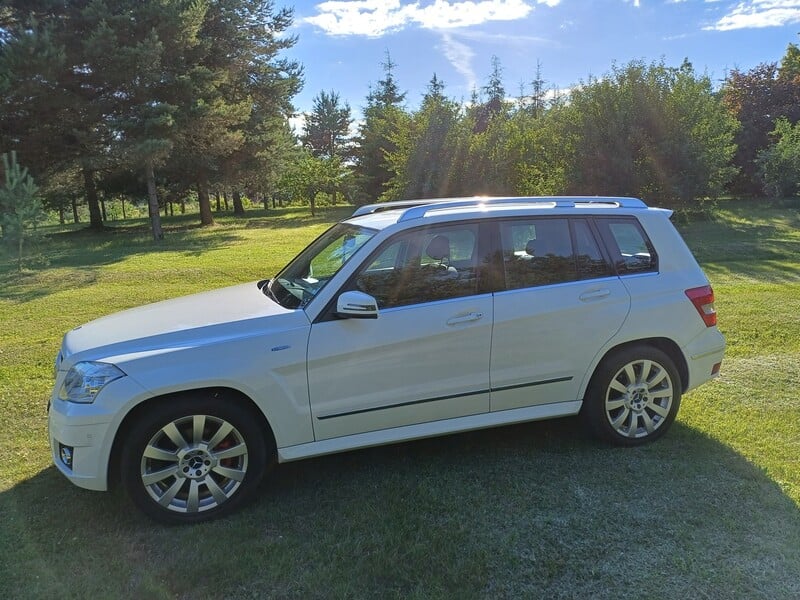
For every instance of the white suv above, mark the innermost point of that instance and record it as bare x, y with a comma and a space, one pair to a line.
407, 320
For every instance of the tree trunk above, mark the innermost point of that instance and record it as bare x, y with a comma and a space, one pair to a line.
265, 200
61, 217
313, 202
183, 205
123, 208
206, 218
103, 209
219, 201
75, 217
225, 199
238, 207
155, 214
95, 216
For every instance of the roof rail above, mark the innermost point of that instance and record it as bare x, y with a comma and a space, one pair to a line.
415, 209
369, 209
419, 209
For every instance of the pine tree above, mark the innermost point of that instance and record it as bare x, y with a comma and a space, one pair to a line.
327, 125
20, 205
383, 117
424, 155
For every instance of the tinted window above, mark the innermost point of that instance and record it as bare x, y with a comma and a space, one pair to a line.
590, 261
634, 251
537, 252
424, 265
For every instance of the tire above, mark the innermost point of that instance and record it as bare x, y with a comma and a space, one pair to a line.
633, 397
192, 459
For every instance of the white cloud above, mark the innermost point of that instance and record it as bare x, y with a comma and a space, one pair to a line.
374, 18
460, 56
759, 13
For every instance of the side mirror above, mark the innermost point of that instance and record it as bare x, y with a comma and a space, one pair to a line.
356, 305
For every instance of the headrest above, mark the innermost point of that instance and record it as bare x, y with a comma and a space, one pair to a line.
438, 248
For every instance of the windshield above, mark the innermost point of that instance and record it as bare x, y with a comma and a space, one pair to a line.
309, 271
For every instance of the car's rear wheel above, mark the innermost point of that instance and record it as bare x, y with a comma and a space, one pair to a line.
633, 397
193, 459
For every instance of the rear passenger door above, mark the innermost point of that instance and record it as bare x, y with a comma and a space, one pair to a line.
560, 305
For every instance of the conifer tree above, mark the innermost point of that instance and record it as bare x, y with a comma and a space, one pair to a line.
383, 117
20, 205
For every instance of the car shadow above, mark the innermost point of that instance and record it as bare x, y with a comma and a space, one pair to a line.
579, 510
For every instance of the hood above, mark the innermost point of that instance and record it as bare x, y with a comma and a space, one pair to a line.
222, 313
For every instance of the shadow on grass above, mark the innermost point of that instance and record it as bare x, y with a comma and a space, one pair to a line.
532, 510
75, 255
766, 271
742, 231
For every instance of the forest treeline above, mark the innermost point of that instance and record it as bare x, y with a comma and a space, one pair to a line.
177, 100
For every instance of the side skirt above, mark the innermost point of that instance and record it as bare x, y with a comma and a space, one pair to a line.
432, 429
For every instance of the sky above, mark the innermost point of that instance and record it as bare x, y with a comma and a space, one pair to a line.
342, 43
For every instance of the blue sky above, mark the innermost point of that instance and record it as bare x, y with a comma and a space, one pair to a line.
343, 42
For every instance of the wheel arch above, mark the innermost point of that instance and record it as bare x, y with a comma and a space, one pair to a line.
666, 345
230, 394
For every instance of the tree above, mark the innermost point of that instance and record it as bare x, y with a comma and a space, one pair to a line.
424, 150
757, 98
650, 131
327, 125
237, 95
20, 205
486, 167
382, 120
193, 88
779, 164
310, 175
495, 105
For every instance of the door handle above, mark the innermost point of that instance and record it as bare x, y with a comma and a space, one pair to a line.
474, 316
594, 295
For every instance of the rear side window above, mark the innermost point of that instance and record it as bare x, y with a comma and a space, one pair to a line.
590, 261
547, 251
631, 250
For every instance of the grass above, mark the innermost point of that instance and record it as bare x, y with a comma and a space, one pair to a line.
534, 510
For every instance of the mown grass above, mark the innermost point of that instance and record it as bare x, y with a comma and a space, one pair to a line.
535, 510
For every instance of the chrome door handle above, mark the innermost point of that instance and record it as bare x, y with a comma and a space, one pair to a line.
594, 295
465, 318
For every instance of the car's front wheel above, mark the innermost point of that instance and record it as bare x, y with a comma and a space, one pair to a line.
633, 397
191, 459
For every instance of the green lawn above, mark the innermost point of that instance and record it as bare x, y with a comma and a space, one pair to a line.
535, 510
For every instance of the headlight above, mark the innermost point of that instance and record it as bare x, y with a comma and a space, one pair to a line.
85, 379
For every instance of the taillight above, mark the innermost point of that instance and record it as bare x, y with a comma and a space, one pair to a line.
703, 300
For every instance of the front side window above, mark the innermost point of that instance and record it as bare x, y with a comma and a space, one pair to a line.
310, 271
423, 265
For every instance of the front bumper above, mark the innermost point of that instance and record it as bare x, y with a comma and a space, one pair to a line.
89, 465
87, 431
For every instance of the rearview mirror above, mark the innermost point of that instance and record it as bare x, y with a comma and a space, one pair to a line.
356, 305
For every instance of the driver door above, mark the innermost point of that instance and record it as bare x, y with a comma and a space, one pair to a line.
426, 356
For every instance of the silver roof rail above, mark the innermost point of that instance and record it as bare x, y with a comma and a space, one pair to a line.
369, 209
416, 210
